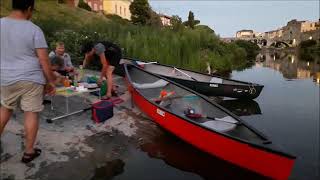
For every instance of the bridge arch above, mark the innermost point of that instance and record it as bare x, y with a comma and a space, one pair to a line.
279, 44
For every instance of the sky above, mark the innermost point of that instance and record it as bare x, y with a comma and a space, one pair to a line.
228, 17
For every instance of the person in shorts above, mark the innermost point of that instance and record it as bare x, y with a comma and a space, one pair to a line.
109, 55
24, 72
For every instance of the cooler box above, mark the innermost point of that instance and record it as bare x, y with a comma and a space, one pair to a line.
102, 111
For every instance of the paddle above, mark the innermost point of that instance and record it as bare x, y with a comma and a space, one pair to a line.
185, 74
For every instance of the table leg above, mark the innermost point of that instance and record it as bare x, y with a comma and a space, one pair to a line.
51, 103
66, 115
67, 105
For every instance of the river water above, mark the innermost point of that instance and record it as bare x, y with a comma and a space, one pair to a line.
287, 111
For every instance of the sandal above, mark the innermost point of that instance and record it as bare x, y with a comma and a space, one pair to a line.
30, 157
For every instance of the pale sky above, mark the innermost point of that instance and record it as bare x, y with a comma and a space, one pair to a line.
227, 17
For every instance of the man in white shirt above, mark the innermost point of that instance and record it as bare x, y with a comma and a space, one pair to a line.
60, 52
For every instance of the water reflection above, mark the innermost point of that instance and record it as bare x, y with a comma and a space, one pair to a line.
240, 107
183, 156
290, 65
110, 170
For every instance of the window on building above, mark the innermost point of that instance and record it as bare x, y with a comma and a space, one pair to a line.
101, 8
120, 10
95, 7
116, 9
124, 11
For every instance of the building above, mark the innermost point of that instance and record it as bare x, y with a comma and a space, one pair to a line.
259, 35
117, 7
228, 39
96, 5
166, 20
245, 34
292, 32
275, 34
309, 26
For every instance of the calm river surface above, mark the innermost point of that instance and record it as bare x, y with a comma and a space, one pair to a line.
287, 111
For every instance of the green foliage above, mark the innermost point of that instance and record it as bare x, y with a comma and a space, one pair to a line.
140, 12
250, 48
176, 23
307, 44
116, 18
154, 20
309, 49
191, 21
84, 5
205, 28
62, 1
188, 48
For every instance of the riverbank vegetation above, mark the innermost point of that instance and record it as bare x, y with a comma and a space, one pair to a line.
185, 44
309, 50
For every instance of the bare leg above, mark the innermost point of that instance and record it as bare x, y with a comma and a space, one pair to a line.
31, 124
5, 115
109, 82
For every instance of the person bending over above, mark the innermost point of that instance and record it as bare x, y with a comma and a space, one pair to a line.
109, 55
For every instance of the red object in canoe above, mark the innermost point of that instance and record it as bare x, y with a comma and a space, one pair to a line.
226, 136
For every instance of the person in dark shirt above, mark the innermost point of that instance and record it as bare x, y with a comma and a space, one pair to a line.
109, 55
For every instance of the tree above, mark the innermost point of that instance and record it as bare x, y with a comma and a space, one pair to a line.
176, 22
140, 12
154, 20
205, 28
191, 21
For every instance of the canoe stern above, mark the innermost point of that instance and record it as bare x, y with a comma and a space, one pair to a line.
259, 160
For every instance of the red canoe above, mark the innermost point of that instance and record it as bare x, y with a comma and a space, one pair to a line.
206, 125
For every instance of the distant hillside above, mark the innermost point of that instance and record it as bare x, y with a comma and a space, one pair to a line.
52, 10
186, 47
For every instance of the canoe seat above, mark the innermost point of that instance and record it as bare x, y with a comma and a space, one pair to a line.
158, 84
216, 80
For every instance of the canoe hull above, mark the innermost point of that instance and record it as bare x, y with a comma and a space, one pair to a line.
247, 156
213, 89
247, 91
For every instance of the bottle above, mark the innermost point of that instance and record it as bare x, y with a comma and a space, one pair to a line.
66, 82
75, 81
81, 73
103, 88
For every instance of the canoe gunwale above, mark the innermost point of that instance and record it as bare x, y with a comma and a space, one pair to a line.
238, 81
261, 135
221, 86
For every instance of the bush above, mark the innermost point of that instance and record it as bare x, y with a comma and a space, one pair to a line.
250, 48
116, 18
307, 44
62, 1
308, 50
